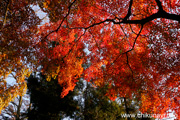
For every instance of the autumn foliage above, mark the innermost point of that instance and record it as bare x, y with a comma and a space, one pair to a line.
130, 45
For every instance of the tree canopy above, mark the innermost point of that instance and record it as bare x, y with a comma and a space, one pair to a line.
130, 45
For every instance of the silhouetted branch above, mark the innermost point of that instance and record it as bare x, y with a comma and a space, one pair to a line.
129, 65
159, 4
74, 44
132, 46
129, 11
69, 8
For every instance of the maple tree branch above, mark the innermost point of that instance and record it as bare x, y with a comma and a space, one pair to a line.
127, 59
130, 49
137, 37
74, 45
123, 30
160, 14
107, 20
132, 30
159, 4
69, 8
129, 11
134, 41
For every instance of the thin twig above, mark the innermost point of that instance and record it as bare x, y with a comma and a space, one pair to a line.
132, 46
69, 8
74, 45
127, 59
